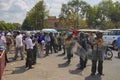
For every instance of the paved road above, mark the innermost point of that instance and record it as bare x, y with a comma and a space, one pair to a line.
53, 67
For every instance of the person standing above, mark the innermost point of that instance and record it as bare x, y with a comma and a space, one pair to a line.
52, 43
59, 42
47, 43
29, 49
35, 48
3, 43
64, 36
97, 54
19, 46
83, 42
68, 46
40, 44
8, 43
118, 44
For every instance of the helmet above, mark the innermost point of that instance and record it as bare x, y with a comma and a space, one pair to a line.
99, 34
86, 35
81, 34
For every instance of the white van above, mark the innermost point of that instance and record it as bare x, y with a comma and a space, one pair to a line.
111, 37
50, 30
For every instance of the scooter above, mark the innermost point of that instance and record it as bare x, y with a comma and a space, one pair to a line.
108, 53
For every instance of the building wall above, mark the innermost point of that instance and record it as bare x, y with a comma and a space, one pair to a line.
52, 22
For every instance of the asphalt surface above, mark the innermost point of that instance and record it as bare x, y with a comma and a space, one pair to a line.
53, 67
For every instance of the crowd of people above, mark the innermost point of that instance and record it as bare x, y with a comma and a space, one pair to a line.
48, 43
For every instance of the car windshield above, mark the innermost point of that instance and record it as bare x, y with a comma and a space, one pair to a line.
114, 32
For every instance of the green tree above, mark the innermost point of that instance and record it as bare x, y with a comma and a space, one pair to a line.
8, 26
35, 17
73, 12
110, 12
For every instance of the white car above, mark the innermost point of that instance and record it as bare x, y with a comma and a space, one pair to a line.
50, 30
111, 37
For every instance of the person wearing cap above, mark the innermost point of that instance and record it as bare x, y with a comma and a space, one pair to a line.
82, 40
68, 46
8, 42
97, 54
29, 48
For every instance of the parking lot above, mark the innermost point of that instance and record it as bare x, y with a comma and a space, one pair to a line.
53, 67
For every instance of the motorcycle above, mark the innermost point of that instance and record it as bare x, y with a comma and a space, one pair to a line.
108, 53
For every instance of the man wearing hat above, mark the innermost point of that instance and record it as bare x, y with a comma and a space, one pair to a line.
29, 48
97, 54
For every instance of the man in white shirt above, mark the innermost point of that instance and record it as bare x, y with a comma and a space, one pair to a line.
19, 46
29, 48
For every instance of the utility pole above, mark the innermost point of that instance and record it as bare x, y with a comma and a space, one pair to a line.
77, 19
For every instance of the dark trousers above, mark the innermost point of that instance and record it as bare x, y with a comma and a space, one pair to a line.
6, 59
69, 54
94, 65
63, 49
59, 47
29, 58
34, 55
83, 62
47, 46
52, 47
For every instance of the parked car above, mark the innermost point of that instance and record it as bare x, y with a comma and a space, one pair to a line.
111, 37
50, 30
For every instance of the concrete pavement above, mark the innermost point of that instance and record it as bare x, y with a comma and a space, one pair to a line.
53, 67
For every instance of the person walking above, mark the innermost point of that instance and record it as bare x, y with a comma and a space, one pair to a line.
97, 54
19, 46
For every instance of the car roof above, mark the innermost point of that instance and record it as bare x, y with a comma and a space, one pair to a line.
89, 30
113, 29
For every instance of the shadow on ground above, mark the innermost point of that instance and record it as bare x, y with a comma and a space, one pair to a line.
65, 58
96, 77
63, 65
60, 55
19, 70
76, 71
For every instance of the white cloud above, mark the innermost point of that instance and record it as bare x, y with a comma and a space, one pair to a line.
55, 6
15, 10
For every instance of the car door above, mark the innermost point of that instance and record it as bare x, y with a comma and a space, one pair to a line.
109, 38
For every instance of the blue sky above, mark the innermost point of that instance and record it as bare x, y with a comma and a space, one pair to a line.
15, 10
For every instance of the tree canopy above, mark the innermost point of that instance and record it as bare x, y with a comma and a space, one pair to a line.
35, 17
102, 16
